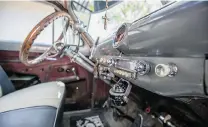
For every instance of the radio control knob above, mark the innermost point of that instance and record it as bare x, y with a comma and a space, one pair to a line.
110, 62
163, 70
142, 67
101, 60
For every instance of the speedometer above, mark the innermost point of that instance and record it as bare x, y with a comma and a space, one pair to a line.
120, 35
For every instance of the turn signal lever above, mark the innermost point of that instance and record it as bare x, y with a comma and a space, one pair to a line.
80, 59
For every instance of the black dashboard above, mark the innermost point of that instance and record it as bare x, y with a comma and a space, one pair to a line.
164, 52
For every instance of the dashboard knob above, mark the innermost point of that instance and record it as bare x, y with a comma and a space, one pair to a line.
163, 70
110, 62
142, 67
60, 69
101, 60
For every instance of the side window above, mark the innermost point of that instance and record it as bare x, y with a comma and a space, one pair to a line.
19, 17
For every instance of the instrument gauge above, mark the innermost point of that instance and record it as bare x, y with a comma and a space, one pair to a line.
120, 35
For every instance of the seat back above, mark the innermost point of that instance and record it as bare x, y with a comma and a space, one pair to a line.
6, 85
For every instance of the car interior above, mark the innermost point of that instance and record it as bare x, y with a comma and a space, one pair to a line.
106, 63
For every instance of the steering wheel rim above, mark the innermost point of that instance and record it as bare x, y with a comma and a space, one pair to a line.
29, 40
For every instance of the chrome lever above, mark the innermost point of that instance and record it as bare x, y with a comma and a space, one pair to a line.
75, 74
93, 48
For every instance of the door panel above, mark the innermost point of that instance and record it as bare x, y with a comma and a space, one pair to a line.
46, 71
77, 92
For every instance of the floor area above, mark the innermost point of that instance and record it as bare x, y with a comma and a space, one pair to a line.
93, 118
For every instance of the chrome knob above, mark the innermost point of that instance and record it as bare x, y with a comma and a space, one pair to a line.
101, 60
142, 67
163, 70
110, 62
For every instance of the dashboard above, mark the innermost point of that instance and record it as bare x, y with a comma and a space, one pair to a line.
158, 53
165, 76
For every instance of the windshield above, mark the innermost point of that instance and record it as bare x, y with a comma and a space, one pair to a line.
121, 12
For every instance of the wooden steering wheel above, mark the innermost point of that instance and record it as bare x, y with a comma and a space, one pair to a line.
54, 50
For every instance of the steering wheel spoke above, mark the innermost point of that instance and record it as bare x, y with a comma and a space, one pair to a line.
55, 50
52, 52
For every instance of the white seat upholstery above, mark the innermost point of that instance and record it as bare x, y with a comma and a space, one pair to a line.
45, 94
38, 105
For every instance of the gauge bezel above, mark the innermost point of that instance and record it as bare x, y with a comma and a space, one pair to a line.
117, 44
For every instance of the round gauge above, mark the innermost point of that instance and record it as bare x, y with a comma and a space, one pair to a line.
120, 34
